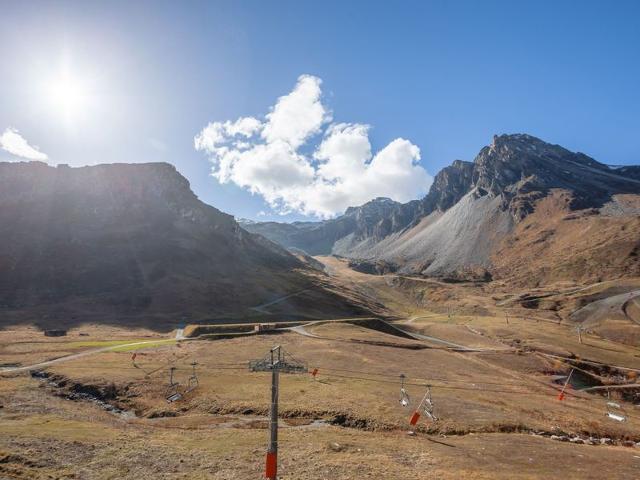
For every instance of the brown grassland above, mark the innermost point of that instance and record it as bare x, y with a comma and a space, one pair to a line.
491, 364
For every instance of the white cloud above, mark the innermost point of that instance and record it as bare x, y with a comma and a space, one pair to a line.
264, 157
218, 133
14, 143
344, 151
244, 126
298, 115
268, 169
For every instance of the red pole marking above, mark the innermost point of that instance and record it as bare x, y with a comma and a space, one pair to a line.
561, 396
414, 418
315, 372
272, 462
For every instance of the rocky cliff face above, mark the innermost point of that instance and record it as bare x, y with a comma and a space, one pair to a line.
120, 242
448, 187
473, 207
524, 169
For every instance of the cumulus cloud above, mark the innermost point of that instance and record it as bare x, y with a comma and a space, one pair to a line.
298, 115
299, 161
14, 143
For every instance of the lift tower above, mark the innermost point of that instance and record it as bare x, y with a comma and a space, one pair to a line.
275, 362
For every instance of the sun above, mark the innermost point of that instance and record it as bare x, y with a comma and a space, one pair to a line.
68, 95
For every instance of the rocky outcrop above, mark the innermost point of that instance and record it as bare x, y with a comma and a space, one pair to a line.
448, 188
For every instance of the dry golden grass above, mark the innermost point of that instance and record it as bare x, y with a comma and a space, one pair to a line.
488, 402
220, 441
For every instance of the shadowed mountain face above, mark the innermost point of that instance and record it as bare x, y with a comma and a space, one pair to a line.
473, 208
129, 243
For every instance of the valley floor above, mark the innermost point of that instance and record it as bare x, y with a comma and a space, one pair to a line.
494, 369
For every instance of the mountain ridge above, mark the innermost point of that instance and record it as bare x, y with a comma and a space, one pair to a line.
470, 209
131, 242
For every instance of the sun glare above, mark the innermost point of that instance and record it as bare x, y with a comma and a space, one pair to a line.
68, 96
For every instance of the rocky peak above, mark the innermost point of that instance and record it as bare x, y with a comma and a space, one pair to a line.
522, 168
449, 186
380, 217
372, 206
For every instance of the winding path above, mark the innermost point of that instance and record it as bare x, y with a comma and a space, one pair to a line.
75, 356
261, 308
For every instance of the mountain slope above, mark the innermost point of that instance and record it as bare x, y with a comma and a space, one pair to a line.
122, 242
463, 227
556, 243
374, 221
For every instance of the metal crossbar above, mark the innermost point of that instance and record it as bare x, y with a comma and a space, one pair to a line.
277, 359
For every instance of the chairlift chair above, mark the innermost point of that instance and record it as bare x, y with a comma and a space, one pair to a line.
404, 396
192, 383
427, 405
614, 410
172, 394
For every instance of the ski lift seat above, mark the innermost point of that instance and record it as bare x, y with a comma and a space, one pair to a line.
174, 397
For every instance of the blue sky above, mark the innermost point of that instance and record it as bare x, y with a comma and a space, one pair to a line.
444, 75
